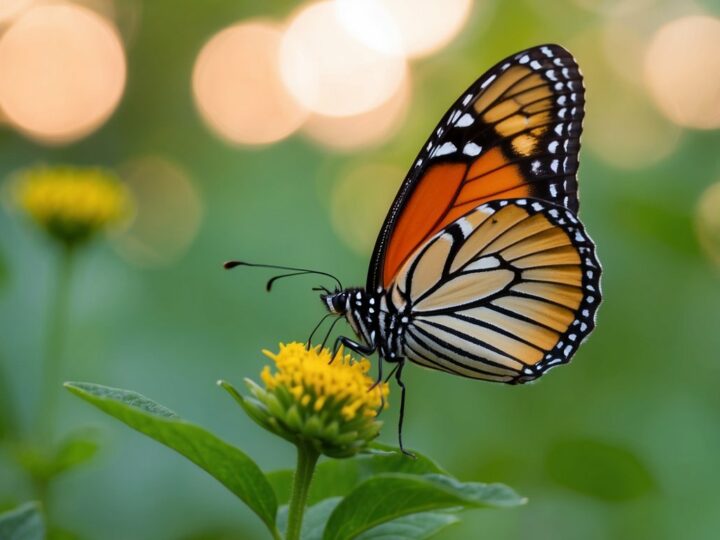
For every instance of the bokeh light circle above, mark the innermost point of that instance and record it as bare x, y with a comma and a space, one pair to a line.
707, 221
168, 215
365, 190
349, 133
330, 71
622, 127
62, 72
10, 9
682, 71
237, 85
414, 28
628, 133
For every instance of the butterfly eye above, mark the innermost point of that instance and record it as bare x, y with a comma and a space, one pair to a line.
339, 302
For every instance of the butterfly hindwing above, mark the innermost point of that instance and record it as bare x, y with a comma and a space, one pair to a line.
503, 293
514, 133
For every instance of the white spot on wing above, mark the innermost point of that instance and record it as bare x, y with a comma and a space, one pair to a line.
465, 227
489, 80
472, 149
547, 52
484, 263
465, 120
524, 59
553, 146
535, 166
445, 149
467, 99
535, 64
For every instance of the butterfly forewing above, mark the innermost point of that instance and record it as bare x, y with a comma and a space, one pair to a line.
503, 293
514, 133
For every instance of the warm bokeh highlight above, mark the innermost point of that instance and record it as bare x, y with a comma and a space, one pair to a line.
331, 72
350, 133
62, 72
414, 29
682, 71
237, 86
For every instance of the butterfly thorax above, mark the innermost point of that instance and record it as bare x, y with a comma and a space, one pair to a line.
373, 318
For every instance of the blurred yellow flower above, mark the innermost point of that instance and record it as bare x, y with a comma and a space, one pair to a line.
309, 400
72, 204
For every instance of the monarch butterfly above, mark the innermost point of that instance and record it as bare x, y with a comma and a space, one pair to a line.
482, 268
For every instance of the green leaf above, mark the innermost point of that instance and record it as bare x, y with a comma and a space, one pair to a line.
314, 520
8, 424
338, 477
43, 463
75, 450
23, 523
387, 497
226, 463
412, 527
599, 469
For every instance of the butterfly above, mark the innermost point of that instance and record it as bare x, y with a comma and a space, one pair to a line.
482, 267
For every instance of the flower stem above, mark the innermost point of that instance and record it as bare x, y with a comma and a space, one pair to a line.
306, 460
56, 330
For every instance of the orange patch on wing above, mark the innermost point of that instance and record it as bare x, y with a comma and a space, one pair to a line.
493, 177
435, 192
441, 191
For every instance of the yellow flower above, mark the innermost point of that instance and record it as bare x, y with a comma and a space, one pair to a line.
309, 400
72, 204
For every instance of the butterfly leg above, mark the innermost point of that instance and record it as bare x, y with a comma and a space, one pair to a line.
398, 378
352, 345
379, 379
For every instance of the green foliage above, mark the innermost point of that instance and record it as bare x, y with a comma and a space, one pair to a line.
335, 478
389, 496
226, 463
412, 527
43, 466
23, 523
7, 411
382, 494
598, 469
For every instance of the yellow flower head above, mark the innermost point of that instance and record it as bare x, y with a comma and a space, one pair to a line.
309, 400
72, 204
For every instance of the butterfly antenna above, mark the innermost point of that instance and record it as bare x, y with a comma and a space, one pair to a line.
272, 280
294, 271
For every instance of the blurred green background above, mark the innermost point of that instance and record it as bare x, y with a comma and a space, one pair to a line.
622, 444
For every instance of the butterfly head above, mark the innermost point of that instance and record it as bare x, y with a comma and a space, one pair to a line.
336, 302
